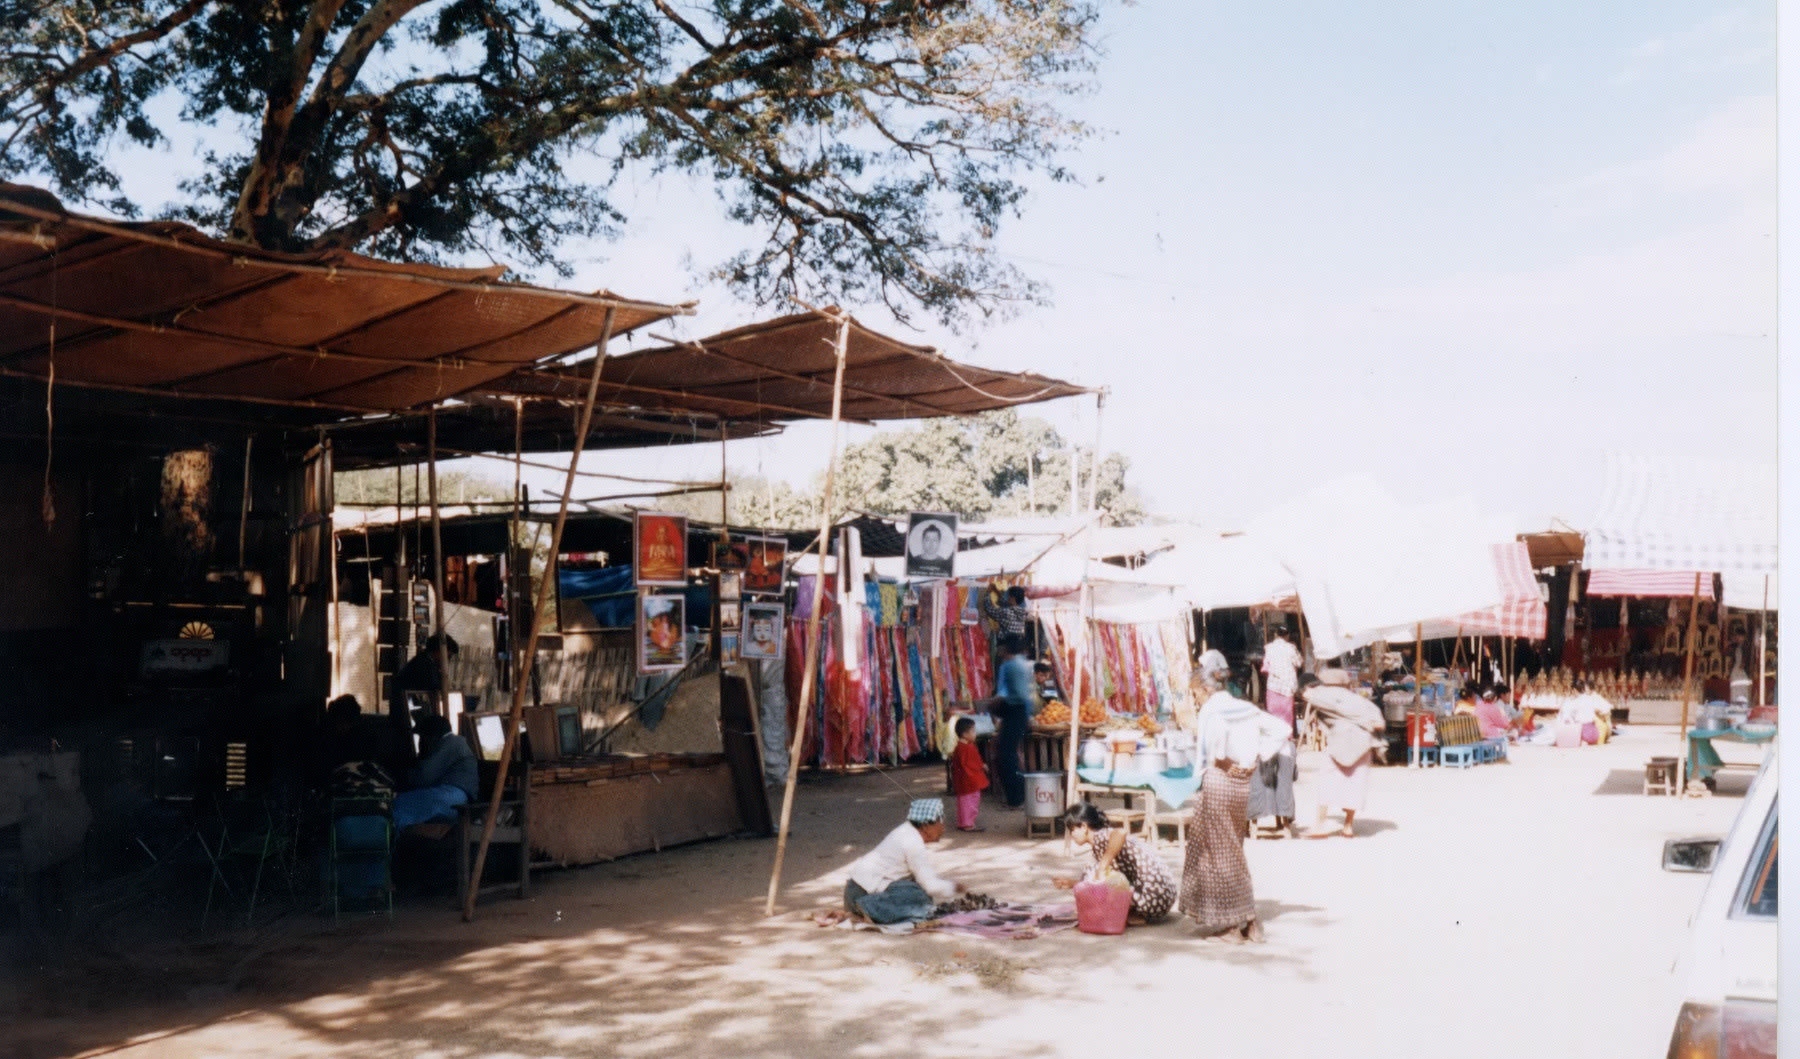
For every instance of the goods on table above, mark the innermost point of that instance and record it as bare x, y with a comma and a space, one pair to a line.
1093, 712
1054, 713
1148, 724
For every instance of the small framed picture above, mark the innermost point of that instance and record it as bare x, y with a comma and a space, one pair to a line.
731, 587
662, 632
931, 544
730, 554
763, 626
661, 549
728, 648
728, 615
765, 566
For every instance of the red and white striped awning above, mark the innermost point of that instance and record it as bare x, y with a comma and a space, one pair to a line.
1648, 583
1521, 612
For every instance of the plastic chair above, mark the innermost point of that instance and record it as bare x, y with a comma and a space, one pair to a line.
1461, 757
1424, 756
362, 837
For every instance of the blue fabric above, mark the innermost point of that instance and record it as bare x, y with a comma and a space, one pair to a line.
1173, 788
1703, 760
903, 901
611, 595
426, 804
1016, 684
608, 593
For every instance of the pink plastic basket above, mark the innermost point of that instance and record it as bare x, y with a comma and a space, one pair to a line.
1101, 909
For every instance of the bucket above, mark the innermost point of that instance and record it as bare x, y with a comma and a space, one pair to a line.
1043, 794
1101, 909
1093, 753
1150, 760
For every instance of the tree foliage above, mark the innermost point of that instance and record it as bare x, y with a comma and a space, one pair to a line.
379, 485
990, 465
873, 146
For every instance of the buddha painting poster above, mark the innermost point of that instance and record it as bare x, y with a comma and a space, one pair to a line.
661, 549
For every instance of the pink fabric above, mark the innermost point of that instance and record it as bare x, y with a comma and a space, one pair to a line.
1280, 706
967, 806
1491, 716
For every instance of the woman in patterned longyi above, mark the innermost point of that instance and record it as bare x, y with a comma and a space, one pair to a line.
1153, 885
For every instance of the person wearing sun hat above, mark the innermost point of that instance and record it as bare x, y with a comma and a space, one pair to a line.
895, 882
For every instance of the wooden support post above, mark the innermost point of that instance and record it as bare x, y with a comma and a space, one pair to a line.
1416, 732
437, 568
810, 676
522, 665
1687, 682
1762, 645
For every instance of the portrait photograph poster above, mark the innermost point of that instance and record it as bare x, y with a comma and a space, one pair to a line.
764, 566
661, 632
931, 544
762, 630
661, 549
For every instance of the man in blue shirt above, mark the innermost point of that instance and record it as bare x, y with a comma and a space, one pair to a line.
1014, 704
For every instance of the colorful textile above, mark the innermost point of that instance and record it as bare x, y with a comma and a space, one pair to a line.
1216, 891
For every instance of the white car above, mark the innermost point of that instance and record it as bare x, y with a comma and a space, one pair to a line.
1728, 1009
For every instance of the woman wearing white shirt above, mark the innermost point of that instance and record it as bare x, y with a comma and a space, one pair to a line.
1216, 890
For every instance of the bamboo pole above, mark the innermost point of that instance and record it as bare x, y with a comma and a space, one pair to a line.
1762, 645
437, 566
810, 675
1687, 681
1073, 757
522, 665
1416, 732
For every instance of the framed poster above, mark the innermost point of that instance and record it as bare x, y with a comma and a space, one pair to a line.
730, 554
728, 615
731, 587
728, 648
930, 544
763, 624
765, 565
660, 549
661, 632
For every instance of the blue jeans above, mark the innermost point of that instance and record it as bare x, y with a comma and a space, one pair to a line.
427, 804
902, 901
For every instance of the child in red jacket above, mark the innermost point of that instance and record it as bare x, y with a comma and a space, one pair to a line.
968, 775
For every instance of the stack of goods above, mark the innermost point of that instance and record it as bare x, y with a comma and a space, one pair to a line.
1055, 714
969, 902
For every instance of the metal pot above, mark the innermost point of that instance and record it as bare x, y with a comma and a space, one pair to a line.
1151, 759
1179, 758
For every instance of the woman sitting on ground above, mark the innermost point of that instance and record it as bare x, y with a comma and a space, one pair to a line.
895, 882
1153, 885
1491, 716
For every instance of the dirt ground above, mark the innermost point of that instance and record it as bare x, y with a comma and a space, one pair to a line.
1510, 909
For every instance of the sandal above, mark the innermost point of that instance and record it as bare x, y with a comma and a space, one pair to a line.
1348, 831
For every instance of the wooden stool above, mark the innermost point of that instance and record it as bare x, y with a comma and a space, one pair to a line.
1659, 776
1032, 823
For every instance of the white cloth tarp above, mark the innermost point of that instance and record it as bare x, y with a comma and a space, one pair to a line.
1369, 567
1213, 570
1683, 514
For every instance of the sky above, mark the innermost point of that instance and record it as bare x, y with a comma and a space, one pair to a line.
1465, 248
